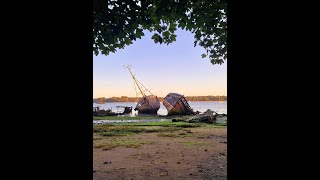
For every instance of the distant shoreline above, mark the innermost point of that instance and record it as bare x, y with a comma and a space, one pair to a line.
160, 101
136, 99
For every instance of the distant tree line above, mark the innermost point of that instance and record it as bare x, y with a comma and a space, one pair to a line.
136, 99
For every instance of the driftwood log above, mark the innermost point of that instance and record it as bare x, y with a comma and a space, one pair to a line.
208, 117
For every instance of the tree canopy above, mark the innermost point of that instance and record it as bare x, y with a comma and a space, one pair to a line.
117, 23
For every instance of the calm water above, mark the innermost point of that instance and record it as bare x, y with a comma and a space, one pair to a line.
220, 107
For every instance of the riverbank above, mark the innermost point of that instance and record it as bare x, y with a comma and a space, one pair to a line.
160, 150
127, 117
221, 119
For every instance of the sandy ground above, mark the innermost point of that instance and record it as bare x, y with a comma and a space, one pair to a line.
202, 155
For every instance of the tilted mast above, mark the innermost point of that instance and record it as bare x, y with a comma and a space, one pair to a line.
136, 81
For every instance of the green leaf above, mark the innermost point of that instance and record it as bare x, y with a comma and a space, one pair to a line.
139, 33
112, 49
160, 40
166, 34
209, 43
128, 41
183, 25
189, 26
132, 37
173, 27
173, 37
96, 52
155, 36
203, 55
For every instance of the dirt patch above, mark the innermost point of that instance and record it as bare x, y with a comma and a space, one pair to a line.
192, 153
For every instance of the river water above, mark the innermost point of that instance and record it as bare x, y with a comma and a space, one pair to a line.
201, 106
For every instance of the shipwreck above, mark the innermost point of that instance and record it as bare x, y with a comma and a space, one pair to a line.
147, 104
101, 112
176, 104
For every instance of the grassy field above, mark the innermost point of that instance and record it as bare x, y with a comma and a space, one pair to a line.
126, 117
124, 129
164, 129
123, 150
124, 142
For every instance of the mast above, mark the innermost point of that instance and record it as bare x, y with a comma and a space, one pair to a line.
136, 81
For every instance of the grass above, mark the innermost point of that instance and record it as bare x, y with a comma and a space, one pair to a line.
124, 129
128, 143
180, 135
126, 117
111, 130
163, 124
165, 129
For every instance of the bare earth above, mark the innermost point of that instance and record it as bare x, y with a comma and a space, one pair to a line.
200, 155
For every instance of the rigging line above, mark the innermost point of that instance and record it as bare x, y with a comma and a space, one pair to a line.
135, 89
144, 87
135, 80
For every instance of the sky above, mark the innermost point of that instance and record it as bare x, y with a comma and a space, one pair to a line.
177, 67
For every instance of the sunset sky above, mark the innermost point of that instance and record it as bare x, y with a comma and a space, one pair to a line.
177, 67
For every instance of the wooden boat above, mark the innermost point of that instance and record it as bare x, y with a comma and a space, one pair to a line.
127, 109
100, 112
176, 104
147, 104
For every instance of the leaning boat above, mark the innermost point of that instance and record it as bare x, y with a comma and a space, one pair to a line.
147, 104
176, 104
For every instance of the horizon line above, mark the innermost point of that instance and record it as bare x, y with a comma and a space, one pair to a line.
157, 96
